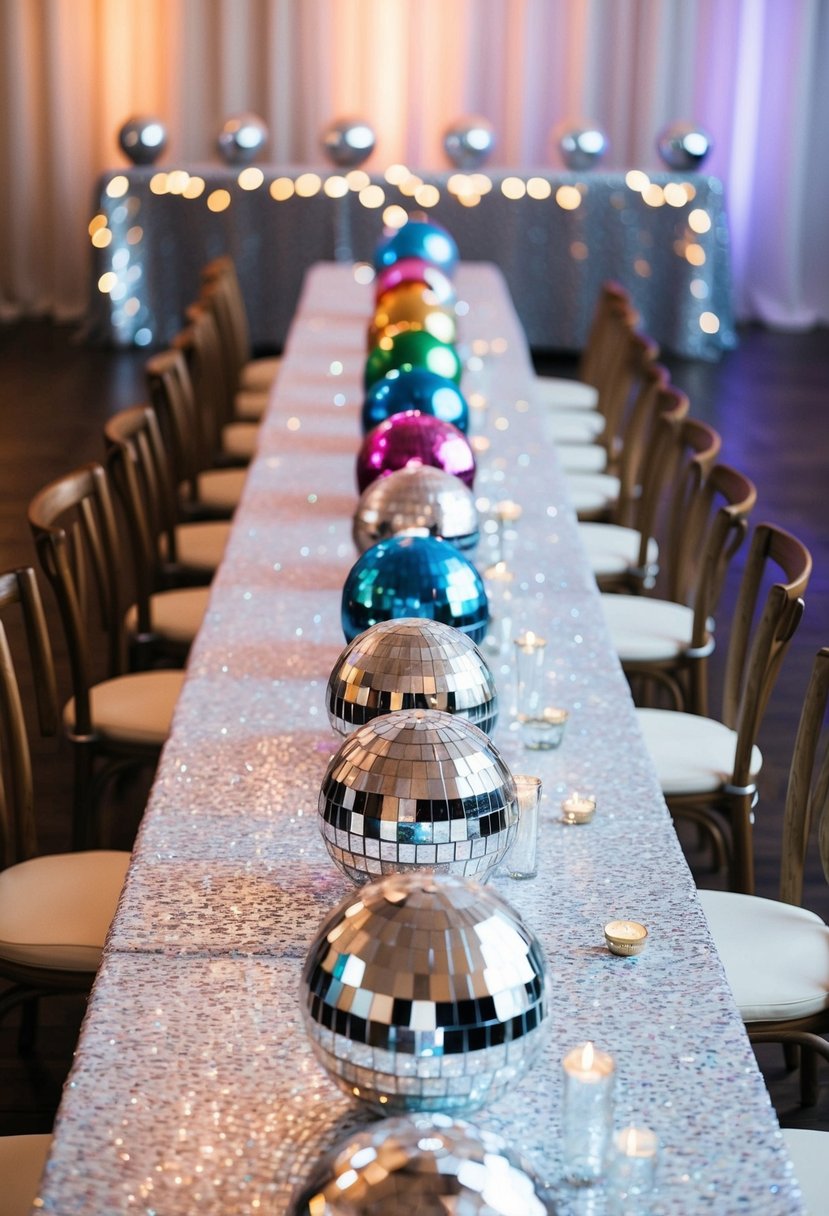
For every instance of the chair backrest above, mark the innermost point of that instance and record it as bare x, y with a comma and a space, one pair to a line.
807, 797
618, 391
222, 292
171, 394
613, 316
18, 835
80, 552
212, 392
761, 629
654, 398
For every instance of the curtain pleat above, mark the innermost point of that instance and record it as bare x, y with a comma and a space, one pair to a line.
752, 72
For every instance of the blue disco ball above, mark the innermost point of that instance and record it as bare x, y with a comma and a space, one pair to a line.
414, 388
420, 576
683, 146
418, 239
425, 992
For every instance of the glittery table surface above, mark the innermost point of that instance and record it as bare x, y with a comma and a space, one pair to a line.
194, 1086
554, 235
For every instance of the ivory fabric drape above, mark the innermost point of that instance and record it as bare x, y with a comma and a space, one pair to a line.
751, 72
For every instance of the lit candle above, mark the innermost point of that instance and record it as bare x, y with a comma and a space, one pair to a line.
544, 731
508, 512
625, 937
633, 1167
530, 642
586, 1113
578, 808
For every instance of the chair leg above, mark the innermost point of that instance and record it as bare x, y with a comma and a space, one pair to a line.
83, 811
742, 838
28, 1027
809, 1087
791, 1055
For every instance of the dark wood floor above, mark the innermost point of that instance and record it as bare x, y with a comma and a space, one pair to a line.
769, 399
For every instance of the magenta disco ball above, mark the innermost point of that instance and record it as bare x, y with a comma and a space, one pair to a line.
412, 438
415, 270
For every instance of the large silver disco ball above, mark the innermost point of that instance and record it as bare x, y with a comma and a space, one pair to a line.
582, 145
425, 1163
683, 146
417, 789
421, 497
142, 139
348, 142
469, 142
425, 992
242, 138
411, 663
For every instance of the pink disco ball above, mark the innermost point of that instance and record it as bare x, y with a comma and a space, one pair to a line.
412, 438
415, 270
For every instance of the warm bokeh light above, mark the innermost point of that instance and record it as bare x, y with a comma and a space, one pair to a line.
427, 195
395, 174
395, 216
410, 185
281, 188
335, 186
308, 184
158, 183
653, 195
218, 200
675, 195
357, 179
568, 198
636, 180
101, 238
97, 221
372, 196
513, 187
695, 254
194, 187
642, 267
135, 234
480, 183
251, 178
539, 188
699, 220
107, 282
118, 186
177, 181
709, 322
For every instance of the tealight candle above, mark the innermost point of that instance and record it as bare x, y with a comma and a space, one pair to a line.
508, 512
578, 808
625, 937
633, 1168
586, 1113
544, 731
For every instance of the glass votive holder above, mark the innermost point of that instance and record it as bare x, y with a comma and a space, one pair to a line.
632, 1171
578, 808
529, 665
498, 580
522, 859
586, 1113
543, 731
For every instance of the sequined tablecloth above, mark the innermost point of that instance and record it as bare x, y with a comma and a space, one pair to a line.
194, 1087
555, 236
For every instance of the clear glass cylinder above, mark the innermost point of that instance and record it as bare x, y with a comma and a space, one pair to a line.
529, 669
522, 859
632, 1174
587, 1113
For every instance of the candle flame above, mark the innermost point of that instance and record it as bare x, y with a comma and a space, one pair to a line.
587, 1057
631, 1141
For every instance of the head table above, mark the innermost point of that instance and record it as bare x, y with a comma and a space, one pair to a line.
194, 1087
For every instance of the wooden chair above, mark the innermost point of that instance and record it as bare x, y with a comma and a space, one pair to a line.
582, 392
22, 1161
120, 720
709, 768
667, 642
187, 554
203, 492
54, 910
774, 951
252, 378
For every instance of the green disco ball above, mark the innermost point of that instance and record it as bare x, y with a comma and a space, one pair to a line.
409, 349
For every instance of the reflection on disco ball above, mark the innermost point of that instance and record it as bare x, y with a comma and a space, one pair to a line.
414, 576
411, 663
683, 146
415, 270
418, 238
412, 438
142, 139
582, 146
412, 348
242, 138
425, 992
411, 306
469, 142
420, 498
425, 1163
347, 142
417, 789
416, 388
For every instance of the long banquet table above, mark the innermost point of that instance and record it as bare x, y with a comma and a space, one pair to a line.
194, 1087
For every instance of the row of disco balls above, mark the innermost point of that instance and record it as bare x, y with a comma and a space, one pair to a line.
468, 143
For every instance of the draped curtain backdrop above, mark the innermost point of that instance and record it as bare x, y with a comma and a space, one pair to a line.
752, 72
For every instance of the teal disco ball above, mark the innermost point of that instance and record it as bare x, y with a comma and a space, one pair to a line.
414, 576
415, 388
418, 239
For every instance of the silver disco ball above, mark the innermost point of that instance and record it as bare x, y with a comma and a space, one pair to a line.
425, 1163
683, 146
469, 142
417, 789
421, 497
425, 992
242, 138
142, 139
582, 146
348, 142
411, 663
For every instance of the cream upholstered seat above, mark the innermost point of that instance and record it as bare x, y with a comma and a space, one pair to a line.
176, 614
809, 1151
582, 458
646, 630
22, 1161
559, 392
55, 910
199, 545
615, 552
574, 426
775, 952
135, 708
708, 768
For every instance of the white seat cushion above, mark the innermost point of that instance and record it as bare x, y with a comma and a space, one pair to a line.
221, 488
582, 457
136, 708
559, 392
646, 630
692, 754
776, 956
202, 544
240, 439
259, 374
176, 615
591, 492
249, 405
809, 1151
573, 426
22, 1160
612, 549
55, 911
